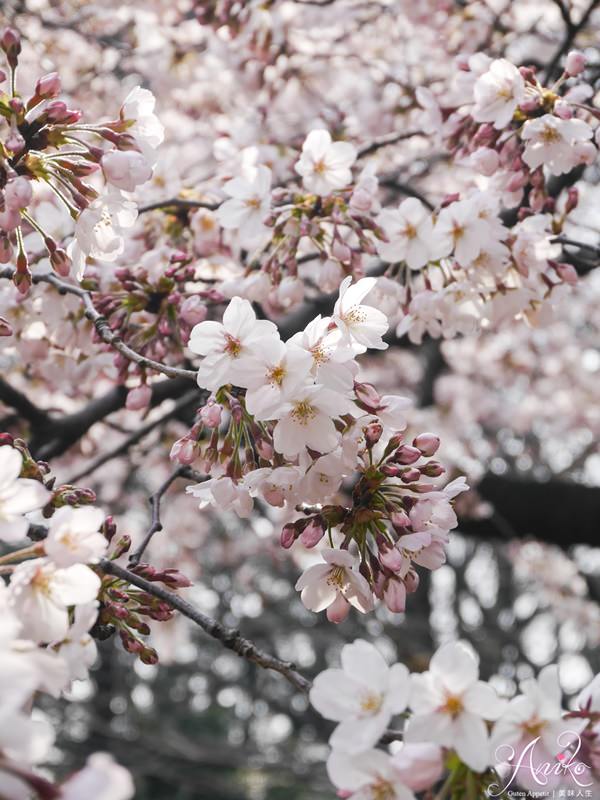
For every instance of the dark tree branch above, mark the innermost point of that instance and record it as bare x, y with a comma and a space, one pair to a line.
572, 30
555, 511
27, 410
187, 400
229, 637
385, 141
156, 524
178, 203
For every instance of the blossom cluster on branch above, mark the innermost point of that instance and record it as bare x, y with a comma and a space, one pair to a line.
459, 735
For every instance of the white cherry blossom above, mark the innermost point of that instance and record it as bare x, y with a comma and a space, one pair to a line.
335, 585
369, 775
41, 592
147, 129
551, 142
325, 165
74, 537
497, 93
227, 345
363, 696
249, 204
361, 324
18, 496
409, 230
451, 705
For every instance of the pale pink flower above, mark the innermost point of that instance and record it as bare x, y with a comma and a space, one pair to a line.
74, 536
409, 230
325, 165
126, 169
335, 585
551, 142
497, 93
307, 421
367, 775
361, 324
249, 204
450, 706
101, 779
18, 496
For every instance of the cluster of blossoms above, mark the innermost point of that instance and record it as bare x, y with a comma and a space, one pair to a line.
456, 729
56, 600
47, 151
298, 425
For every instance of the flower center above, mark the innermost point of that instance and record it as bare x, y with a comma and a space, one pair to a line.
354, 316
252, 202
320, 167
457, 232
233, 346
41, 582
453, 705
533, 727
303, 412
382, 790
337, 577
550, 135
276, 375
371, 702
410, 231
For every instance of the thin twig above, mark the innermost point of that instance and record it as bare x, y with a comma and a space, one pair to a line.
156, 524
103, 327
384, 141
592, 248
135, 437
571, 33
229, 637
178, 202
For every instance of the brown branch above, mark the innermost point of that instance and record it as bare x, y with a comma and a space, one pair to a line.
229, 637
178, 202
571, 33
385, 141
136, 436
156, 524
103, 327
17, 400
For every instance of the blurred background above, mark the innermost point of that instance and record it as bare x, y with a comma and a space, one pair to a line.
517, 407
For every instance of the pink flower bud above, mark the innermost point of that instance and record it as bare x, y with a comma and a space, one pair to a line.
10, 42
341, 250
572, 199
411, 581
517, 181
183, 451
391, 558
361, 200
61, 263
210, 414
485, 134
126, 169
138, 398
563, 110
338, 610
367, 396
193, 310
18, 193
373, 433
394, 596
407, 454
485, 160
427, 443
400, 519
567, 273
288, 535
433, 469
391, 470
313, 533
530, 106
575, 63
48, 85
410, 475
420, 765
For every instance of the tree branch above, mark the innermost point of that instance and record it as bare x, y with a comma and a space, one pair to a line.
178, 202
571, 33
17, 400
385, 141
135, 437
103, 327
229, 637
156, 524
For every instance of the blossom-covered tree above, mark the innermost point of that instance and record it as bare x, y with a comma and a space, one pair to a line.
316, 278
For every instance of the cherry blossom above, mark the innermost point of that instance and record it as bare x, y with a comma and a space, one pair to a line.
325, 165
361, 324
249, 204
450, 706
335, 585
409, 231
556, 143
18, 496
362, 696
74, 537
498, 92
